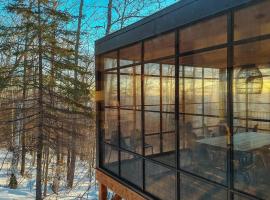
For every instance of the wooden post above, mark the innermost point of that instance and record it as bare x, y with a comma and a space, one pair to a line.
116, 197
102, 192
120, 190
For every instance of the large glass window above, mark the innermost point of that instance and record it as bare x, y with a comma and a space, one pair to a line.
252, 118
130, 109
111, 107
223, 93
159, 88
203, 128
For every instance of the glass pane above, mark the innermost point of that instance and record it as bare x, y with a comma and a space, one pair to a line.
152, 122
252, 21
152, 108
204, 34
110, 88
211, 59
160, 181
130, 55
111, 126
131, 168
252, 118
168, 87
237, 197
159, 47
168, 122
130, 87
214, 82
152, 144
131, 136
110, 60
191, 89
110, 156
191, 188
152, 86
250, 53
168, 155
203, 128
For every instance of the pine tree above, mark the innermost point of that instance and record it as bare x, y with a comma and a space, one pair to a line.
48, 77
50, 46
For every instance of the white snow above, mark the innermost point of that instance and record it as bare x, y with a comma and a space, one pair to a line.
6, 194
84, 186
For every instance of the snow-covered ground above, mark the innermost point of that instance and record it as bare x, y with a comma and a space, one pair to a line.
83, 187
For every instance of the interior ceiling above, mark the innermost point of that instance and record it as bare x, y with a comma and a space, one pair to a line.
249, 22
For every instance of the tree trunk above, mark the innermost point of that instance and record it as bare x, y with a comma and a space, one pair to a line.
46, 171
23, 138
74, 135
71, 170
109, 17
16, 142
56, 180
68, 163
40, 106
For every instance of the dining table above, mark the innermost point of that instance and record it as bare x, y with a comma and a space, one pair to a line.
244, 142
246, 147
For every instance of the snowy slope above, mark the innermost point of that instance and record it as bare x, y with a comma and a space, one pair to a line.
83, 187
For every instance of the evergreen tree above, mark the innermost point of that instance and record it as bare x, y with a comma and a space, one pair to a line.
49, 53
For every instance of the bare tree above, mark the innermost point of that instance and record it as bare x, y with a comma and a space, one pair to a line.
120, 13
109, 17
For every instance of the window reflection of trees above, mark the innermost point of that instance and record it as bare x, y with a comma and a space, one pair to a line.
204, 144
202, 110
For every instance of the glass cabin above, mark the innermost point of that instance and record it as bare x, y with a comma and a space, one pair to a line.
183, 103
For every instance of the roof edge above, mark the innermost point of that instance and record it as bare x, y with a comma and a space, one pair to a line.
175, 16
147, 19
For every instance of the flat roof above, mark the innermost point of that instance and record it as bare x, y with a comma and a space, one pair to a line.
177, 15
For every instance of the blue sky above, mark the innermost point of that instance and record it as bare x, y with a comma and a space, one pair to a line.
94, 21
98, 19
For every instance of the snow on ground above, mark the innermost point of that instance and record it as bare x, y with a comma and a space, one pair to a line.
20, 194
83, 187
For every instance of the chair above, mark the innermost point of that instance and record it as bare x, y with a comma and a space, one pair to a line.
245, 166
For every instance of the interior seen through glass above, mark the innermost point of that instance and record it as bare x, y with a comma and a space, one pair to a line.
140, 130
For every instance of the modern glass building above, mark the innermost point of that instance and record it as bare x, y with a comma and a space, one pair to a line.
183, 104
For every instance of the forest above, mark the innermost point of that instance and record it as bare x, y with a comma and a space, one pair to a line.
47, 92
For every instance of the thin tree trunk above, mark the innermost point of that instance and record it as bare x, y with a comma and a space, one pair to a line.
40, 101
17, 129
109, 17
68, 162
74, 135
56, 180
24, 107
46, 171
72, 163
